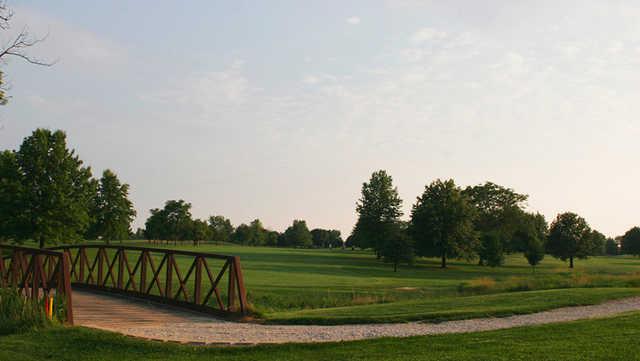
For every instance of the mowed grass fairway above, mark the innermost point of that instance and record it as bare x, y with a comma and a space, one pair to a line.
604, 339
344, 286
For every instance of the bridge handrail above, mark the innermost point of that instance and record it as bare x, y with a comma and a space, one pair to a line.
149, 249
37, 275
115, 273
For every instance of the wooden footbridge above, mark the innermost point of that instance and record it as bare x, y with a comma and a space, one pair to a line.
205, 282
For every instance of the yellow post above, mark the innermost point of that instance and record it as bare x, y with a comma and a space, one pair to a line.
50, 307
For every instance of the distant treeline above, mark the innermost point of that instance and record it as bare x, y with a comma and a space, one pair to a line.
49, 195
174, 223
482, 222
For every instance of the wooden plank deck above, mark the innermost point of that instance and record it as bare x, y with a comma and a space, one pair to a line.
117, 313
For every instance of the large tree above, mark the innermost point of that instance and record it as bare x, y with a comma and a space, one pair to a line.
10, 194
297, 235
532, 235
258, 234
56, 190
200, 231
570, 237
442, 223
325, 238
242, 234
112, 211
598, 242
221, 229
499, 212
378, 206
611, 247
631, 242
171, 223
398, 247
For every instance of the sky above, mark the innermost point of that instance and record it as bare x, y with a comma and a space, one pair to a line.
279, 110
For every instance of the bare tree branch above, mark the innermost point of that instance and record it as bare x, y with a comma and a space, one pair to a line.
19, 44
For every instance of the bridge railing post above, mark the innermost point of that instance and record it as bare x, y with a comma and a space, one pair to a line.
100, 266
143, 271
169, 275
120, 268
83, 261
64, 282
231, 290
197, 292
242, 294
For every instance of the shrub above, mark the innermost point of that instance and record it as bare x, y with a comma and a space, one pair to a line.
18, 314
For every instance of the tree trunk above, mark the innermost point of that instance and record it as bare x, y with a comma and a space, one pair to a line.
395, 266
444, 261
41, 241
571, 262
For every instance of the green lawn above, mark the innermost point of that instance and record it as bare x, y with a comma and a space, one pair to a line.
605, 339
342, 286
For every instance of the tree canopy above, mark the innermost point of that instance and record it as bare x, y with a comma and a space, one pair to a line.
297, 235
570, 237
611, 247
47, 188
112, 212
498, 213
631, 242
326, 238
398, 247
442, 223
378, 206
171, 223
220, 229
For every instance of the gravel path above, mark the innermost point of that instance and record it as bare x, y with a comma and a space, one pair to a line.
158, 323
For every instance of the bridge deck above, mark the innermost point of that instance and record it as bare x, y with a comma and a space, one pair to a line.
114, 313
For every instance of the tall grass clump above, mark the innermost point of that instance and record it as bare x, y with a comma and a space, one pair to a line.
19, 314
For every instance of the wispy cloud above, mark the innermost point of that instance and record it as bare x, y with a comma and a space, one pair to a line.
427, 34
353, 20
68, 44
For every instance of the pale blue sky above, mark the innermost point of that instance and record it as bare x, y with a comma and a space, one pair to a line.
280, 110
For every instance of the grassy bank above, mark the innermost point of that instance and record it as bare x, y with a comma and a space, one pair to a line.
339, 286
605, 339
452, 308
343, 285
